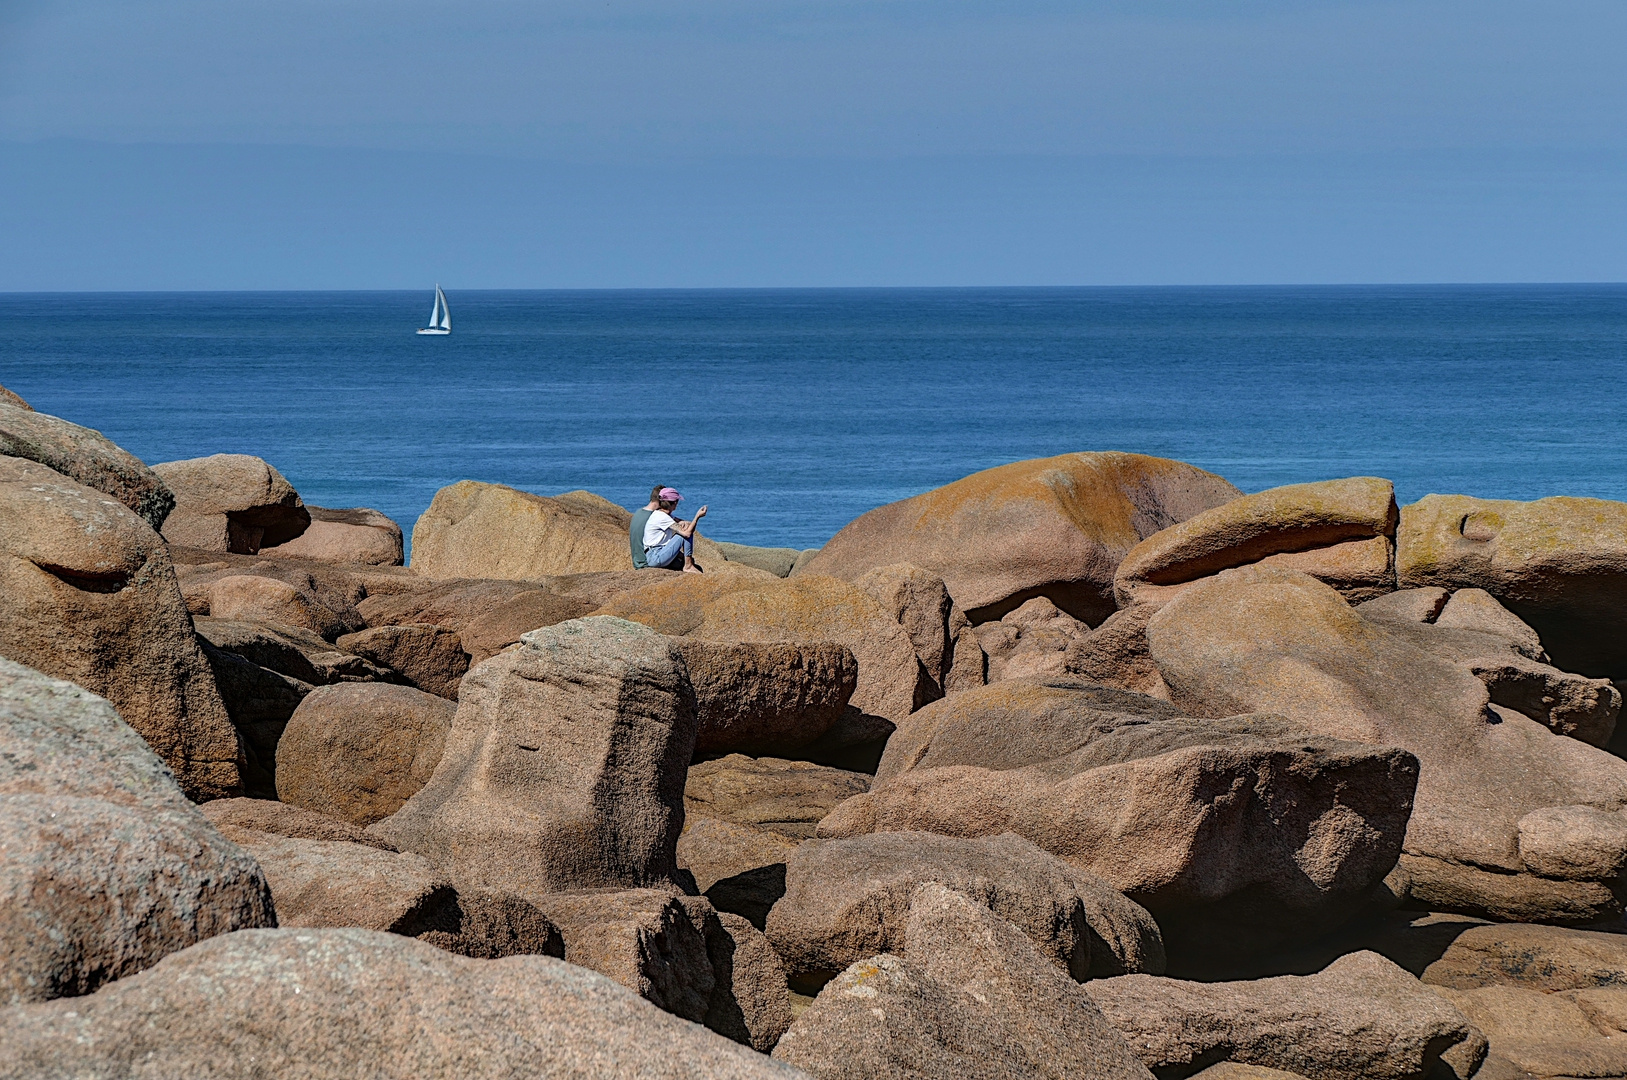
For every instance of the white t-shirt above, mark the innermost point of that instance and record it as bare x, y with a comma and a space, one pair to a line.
658, 529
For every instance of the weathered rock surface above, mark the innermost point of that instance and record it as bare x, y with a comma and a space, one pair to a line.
766, 697
1335, 530
1477, 609
1560, 564
1360, 1018
332, 883
105, 867
231, 502
87, 457
289, 650
335, 590
476, 530
359, 751
281, 819
756, 1009
490, 926
970, 998
1542, 1034
225, 1008
260, 598
667, 601
429, 657
811, 609
564, 766
10, 397
490, 633
740, 869
1032, 641
643, 939
1422, 605
1054, 527
679, 954
1258, 638
849, 899
1492, 644
452, 604
776, 560
1232, 832
786, 797
359, 535
1545, 958
88, 594
920, 602
1115, 654
259, 702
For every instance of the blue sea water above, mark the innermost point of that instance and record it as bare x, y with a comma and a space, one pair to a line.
791, 412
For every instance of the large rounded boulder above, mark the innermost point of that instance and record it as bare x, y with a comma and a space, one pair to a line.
85, 456
88, 594
1054, 527
1236, 834
1502, 800
231, 502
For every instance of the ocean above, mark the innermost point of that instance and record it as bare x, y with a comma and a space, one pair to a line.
791, 412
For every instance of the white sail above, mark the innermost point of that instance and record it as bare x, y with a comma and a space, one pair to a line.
440, 316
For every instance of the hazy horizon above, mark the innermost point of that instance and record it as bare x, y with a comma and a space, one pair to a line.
178, 144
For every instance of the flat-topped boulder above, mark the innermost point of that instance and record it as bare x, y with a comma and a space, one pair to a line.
766, 697
1546, 958
225, 1008
282, 819
356, 535
332, 883
231, 502
1560, 564
1129, 788
1054, 527
1259, 638
785, 797
86, 457
1339, 531
812, 608
105, 866
289, 650
564, 766
1359, 1018
88, 594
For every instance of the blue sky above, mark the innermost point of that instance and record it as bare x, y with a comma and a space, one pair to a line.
364, 143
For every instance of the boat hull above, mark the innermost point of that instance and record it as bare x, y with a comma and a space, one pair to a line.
435, 331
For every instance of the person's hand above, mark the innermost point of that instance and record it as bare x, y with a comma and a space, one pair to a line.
700, 513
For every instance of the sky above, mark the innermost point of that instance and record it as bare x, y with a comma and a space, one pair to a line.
238, 144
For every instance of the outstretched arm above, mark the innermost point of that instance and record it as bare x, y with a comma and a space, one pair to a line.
686, 529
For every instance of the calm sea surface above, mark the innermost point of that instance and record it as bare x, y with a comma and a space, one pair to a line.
791, 412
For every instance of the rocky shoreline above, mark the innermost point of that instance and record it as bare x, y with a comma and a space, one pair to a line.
1084, 766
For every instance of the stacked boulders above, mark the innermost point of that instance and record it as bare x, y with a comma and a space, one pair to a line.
972, 791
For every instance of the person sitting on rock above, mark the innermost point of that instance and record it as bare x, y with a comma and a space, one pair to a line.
669, 542
635, 530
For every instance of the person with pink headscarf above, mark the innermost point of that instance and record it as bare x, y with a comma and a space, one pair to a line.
669, 544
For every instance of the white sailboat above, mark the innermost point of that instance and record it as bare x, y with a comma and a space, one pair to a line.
440, 317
